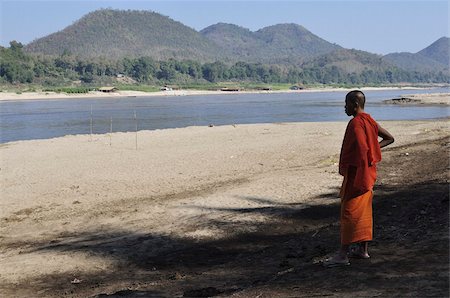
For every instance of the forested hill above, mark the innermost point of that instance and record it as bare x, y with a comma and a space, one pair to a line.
274, 44
435, 57
116, 34
238, 41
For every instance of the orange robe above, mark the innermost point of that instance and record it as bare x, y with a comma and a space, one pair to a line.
359, 154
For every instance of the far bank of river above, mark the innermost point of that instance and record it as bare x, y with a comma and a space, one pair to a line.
96, 94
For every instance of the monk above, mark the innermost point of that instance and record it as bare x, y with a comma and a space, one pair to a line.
359, 155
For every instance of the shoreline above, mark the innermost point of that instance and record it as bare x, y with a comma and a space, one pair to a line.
107, 135
29, 96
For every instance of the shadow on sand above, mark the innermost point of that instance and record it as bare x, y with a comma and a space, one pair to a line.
410, 253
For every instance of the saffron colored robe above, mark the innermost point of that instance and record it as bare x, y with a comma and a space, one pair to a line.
359, 154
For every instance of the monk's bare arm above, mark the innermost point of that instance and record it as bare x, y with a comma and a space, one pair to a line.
387, 138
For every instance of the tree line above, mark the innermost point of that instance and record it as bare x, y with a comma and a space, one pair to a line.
16, 66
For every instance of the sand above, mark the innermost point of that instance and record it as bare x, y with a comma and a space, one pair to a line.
440, 99
96, 94
66, 201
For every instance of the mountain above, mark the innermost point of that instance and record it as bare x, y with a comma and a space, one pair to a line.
435, 57
291, 40
413, 62
275, 44
438, 51
116, 34
238, 41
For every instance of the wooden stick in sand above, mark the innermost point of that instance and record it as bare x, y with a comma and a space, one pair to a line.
135, 120
110, 132
90, 138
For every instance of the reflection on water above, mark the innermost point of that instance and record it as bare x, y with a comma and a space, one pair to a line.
43, 119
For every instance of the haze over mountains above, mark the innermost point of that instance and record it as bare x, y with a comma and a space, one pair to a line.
115, 34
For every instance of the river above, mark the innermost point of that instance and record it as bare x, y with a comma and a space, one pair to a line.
43, 119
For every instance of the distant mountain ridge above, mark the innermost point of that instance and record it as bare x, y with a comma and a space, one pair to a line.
438, 51
115, 34
435, 57
277, 43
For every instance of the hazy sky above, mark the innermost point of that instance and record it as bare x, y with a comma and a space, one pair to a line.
376, 26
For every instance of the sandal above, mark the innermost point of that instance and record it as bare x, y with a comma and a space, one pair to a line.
356, 254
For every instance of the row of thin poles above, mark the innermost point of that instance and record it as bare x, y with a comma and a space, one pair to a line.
111, 128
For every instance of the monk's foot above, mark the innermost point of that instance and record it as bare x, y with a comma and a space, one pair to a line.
358, 254
336, 261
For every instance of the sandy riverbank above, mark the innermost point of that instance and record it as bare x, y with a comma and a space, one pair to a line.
96, 94
79, 216
421, 99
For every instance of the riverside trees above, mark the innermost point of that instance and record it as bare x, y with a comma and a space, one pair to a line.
17, 66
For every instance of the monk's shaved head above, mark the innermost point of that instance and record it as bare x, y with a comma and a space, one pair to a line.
356, 97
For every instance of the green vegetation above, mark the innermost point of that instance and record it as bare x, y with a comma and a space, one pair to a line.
15, 65
143, 88
69, 89
81, 75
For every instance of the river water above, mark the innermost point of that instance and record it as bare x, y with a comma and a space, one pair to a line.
43, 119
